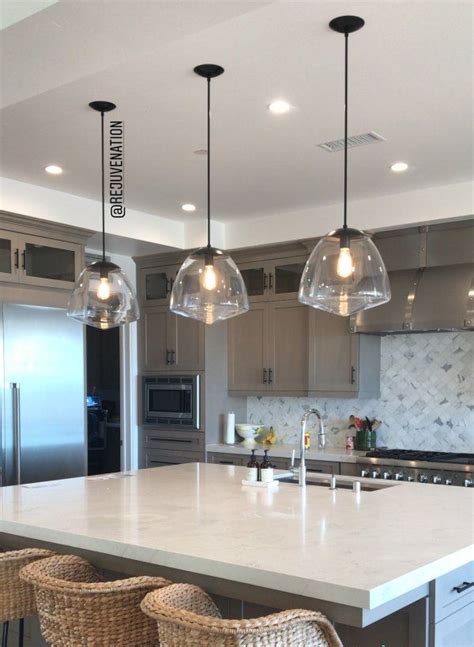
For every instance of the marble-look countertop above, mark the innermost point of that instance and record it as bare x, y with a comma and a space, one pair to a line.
284, 451
360, 550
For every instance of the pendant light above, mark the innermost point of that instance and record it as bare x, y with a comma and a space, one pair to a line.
209, 286
102, 296
345, 272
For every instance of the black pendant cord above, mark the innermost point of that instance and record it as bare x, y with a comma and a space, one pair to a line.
346, 93
209, 162
103, 184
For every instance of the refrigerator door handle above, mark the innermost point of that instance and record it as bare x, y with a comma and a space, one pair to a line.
15, 387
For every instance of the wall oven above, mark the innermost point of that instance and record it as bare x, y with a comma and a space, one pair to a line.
172, 400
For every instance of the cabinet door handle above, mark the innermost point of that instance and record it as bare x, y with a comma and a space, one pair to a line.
265, 376
463, 587
353, 375
270, 376
172, 353
167, 357
17, 258
167, 290
264, 281
23, 260
270, 281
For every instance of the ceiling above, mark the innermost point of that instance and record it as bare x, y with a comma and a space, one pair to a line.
410, 81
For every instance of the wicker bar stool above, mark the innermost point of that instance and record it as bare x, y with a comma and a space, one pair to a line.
187, 616
17, 600
76, 607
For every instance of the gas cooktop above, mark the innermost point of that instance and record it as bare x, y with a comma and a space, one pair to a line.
428, 457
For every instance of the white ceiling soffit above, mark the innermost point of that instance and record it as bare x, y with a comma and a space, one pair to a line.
410, 81
12, 12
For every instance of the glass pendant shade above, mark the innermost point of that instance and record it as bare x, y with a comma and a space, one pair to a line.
209, 287
345, 274
102, 297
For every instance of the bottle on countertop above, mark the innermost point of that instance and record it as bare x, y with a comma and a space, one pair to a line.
307, 440
266, 469
252, 468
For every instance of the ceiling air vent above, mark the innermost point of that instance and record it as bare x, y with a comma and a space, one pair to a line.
355, 140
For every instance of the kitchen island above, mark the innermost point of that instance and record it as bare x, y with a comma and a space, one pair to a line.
356, 557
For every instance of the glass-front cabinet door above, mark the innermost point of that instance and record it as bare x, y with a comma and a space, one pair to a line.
285, 276
273, 279
9, 256
255, 277
48, 262
157, 283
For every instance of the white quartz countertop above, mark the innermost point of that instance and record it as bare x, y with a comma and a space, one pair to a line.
284, 451
360, 550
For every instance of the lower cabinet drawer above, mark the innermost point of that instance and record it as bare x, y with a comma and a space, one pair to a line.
181, 441
161, 457
322, 467
227, 459
453, 591
456, 630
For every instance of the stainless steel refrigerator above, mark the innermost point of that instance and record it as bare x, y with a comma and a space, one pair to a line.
43, 412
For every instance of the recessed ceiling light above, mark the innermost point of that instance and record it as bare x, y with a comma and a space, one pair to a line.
399, 167
53, 169
188, 207
279, 107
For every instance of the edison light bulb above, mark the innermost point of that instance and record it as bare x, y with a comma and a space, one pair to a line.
344, 263
103, 291
209, 279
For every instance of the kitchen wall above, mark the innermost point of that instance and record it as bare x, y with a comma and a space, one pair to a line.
427, 397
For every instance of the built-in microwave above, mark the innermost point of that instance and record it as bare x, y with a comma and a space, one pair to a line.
171, 400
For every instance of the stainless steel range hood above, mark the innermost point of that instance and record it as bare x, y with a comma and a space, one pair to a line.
431, 271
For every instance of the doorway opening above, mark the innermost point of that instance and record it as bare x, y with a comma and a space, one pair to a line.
103, 401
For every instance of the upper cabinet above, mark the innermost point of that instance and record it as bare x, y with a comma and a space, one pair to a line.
341, 363
170, 342
156, 283
268, 349
34, 253
272, 279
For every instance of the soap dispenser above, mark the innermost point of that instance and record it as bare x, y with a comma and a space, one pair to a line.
266, 469
253, 468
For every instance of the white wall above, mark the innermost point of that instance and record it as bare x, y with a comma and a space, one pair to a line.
389, 211
64, 208
427, 205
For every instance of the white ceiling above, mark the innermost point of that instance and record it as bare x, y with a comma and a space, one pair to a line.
410, 81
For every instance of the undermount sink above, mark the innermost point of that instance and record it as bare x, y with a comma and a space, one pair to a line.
340, 485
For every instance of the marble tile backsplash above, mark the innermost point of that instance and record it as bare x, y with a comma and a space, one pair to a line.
426, 402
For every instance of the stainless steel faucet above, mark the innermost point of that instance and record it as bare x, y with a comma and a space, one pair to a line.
321, 442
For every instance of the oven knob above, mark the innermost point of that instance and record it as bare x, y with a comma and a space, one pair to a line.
467, 482
399, 477
364, 473
376, 475
410, 479
448, 482
436, 479
423, 478
386, 475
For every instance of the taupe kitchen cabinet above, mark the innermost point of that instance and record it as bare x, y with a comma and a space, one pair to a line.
272, 279
319, 467
228, 459
170, 342
341, 363
39, 261
268, 349
155, 284
161, 447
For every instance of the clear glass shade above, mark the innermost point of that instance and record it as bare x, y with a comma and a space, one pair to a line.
344, 274
102, 297
209, 287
